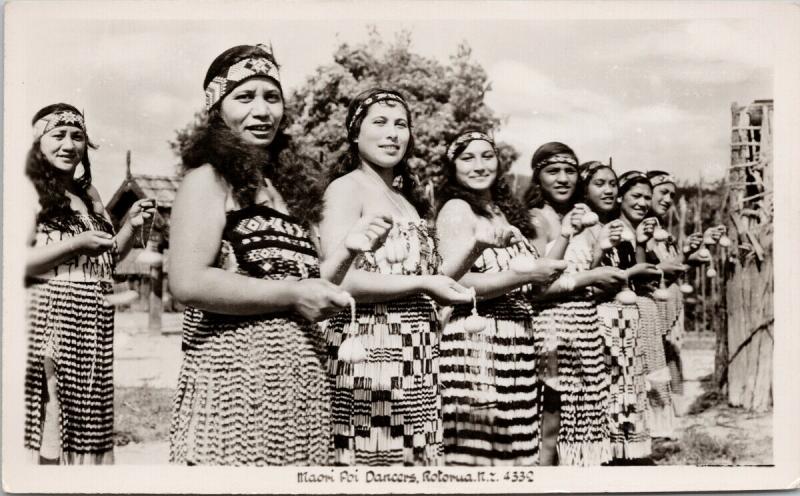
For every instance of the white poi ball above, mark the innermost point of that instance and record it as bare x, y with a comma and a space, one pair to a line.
626, 297
474, 323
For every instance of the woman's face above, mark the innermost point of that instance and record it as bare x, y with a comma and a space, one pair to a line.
601, 192
384, 134
64, 147
476, 166
636, 202
558, 182
663, 199
253, 111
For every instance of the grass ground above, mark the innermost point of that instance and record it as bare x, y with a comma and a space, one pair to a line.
142, 415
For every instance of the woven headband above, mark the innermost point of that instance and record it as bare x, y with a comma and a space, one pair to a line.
630, 176
377, 97
257, 65
466, 138
59, 118
662, 179
559, 158
588, 171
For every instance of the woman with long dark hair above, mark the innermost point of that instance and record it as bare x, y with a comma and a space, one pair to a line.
635, 197
619, 321
69, 387
252, 388
570, 344
490, 388
386, 398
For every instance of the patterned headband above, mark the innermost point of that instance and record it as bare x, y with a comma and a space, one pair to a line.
662, 179
626, 179
377, 97
466, 138
257, 65
559, 158
58, 118
591, 169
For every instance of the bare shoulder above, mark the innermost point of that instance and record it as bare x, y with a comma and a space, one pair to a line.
203, 179
345, 185
456, 208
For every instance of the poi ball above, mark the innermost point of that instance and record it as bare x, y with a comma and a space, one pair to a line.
686, 288
150, 257
474, 323
660, 235
626, 297
362, 243
589, 219
605, 244
661, 294
352, 351
711, 272
395, 251
703, 253
523, 264
627, 235
725, 241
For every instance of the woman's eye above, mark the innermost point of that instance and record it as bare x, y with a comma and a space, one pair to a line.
467, 157
402, 124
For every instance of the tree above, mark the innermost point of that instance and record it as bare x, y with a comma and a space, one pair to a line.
445, 100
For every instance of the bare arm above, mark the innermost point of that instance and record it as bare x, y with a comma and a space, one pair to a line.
198, 220
458, 246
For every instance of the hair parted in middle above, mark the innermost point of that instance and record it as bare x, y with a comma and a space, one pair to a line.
500, 190
356, 112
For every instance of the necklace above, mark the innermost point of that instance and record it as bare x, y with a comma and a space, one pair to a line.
404, 209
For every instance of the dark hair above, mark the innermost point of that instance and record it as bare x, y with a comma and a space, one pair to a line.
232, 56
630, 179
500, 191
241, 165
588, 170
411, 189
534, 196
50, 184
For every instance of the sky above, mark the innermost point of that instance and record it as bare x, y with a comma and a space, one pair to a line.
651, 93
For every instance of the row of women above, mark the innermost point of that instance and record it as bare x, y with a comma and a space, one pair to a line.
344, 321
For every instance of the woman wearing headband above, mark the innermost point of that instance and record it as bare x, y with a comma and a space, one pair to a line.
253, 387
490, 392
69, 388
386, 402
635, 197
619, 322
573, 369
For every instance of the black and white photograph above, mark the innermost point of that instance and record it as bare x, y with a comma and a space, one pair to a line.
320, 247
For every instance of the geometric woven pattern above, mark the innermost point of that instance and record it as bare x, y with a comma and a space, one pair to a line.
253, 390
387, 410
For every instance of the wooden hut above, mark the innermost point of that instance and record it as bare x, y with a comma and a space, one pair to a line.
745, 358
149, 281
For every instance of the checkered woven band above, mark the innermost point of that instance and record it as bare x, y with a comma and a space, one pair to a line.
377, 97
466, 138
588, 171
60, 118
222, 84
559, 158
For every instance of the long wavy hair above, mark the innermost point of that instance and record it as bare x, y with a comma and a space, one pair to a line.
411, 189
500, 191
242, 165
52, 185
534, 197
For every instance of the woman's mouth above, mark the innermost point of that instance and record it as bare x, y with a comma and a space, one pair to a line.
262, 130
390, 149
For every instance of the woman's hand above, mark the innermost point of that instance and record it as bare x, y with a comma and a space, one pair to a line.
693, 242
546, 271
608, 278
318, 299
368, 233
446, 291
643, 269
571, 224
91, 243
671, 269
712, 234
140, 211
610, 235
645, 229
488, 235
